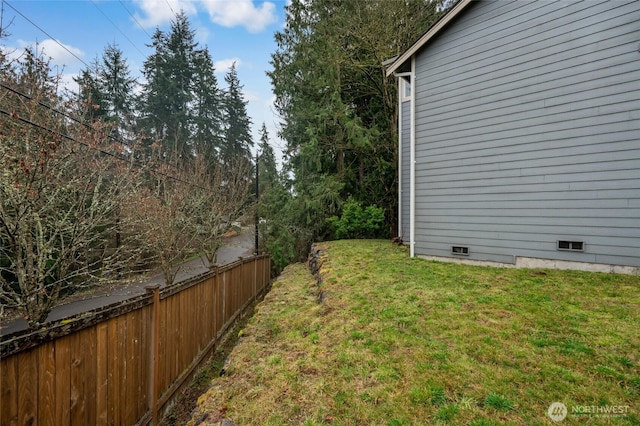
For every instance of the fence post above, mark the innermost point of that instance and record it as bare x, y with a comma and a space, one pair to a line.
153, 353
216, 298
224, 299
255, 276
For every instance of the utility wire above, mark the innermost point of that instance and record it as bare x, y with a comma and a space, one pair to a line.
135, 19
172, 11
116, 27
110, 154
49, 107
41, 127
46, 33
85, 124
24, 120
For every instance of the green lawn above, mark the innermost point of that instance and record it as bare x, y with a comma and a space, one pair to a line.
400, 341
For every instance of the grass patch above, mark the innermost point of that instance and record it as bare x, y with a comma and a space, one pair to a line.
498, 402
400, 341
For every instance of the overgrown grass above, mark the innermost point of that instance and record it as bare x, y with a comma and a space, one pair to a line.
402, 341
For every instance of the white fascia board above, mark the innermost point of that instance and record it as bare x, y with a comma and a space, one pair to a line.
435, 29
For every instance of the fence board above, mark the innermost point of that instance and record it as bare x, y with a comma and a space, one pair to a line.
100, 371
162, 339
79, 380
63, 380
113, 375
167, 354
145, 363
173, 342
8, 390
90, 366
28, 391
129, 384
46, 383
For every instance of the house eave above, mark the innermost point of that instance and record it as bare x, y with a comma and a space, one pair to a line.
432, 32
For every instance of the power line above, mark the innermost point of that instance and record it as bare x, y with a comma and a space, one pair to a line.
110, 154
116, 27
88, 126
64, 114
46, 33
55, 132
170, 8
134, 18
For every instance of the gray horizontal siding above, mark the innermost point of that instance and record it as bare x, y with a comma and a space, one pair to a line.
528, 132
405, 179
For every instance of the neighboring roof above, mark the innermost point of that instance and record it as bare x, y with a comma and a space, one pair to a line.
433, 30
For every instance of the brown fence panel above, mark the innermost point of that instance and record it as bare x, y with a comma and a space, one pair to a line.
105, 368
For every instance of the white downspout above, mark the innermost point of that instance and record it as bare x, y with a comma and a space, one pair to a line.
400, 176
412, 136
412, 143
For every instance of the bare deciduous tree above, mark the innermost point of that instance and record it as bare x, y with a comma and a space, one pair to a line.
159, 219
61, 185
78, 208
58, 196
220, 196
186, 212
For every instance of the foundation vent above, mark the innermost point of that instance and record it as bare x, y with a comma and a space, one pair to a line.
460, 250
570, 245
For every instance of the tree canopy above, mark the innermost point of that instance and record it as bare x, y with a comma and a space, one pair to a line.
104, 183
338, 110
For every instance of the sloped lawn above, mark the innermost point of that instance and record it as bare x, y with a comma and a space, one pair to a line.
400, 341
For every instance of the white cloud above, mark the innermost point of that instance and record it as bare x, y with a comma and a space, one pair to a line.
251, 96
157, 12
67, 82
12, 53
51, 49
202, 34
241, 13
224, 65
228, 13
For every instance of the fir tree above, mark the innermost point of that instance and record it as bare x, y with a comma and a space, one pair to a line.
167, 96
207, 108
268, 171
237, 133
116, 86
91, 100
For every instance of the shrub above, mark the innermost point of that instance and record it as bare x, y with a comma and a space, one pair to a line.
357, 222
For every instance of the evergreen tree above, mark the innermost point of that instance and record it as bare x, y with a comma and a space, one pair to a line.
181, 48
267, 168
237, 134
275, 205
155, 112
338, 108
167, 96
90, 99
116, 86
207, 108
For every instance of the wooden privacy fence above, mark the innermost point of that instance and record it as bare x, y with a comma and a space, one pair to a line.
121, 365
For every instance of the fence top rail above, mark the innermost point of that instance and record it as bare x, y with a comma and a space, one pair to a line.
13, 343
216, 269
26, 339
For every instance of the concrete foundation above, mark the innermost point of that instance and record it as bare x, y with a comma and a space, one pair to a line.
530, 262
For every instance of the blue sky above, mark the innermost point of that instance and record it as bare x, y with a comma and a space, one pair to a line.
234, 30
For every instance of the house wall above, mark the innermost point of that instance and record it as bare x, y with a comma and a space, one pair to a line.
528, 132
405, 170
